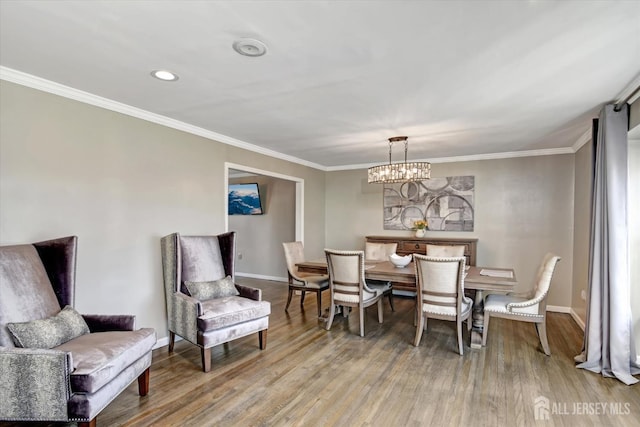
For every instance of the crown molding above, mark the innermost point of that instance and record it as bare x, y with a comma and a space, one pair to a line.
586, 137
44, 85
24, 79
631, 91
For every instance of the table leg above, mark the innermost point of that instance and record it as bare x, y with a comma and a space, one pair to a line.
478, 320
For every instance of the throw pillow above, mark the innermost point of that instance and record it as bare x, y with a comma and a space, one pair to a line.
50, 332
203, 291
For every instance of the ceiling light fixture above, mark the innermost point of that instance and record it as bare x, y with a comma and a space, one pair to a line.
249, 47
399, 172
164, 75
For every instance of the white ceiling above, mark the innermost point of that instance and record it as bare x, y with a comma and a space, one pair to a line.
460, 78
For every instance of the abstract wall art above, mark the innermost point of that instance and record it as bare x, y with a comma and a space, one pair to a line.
446, 203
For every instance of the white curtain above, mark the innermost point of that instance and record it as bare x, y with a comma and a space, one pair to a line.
608, 341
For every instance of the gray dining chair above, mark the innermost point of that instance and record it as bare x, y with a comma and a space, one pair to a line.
302, 282
348, 287
380, 252
440, 286
527, 307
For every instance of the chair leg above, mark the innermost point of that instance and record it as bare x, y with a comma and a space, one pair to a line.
319, 300
542, 333
91, 423
380, 315
205, 354
469, 322
419, 326
361, 310
391, 301
172, 341
459, 328
262, 339
143, 382
485, 328
302, 298
332, 312
286, 307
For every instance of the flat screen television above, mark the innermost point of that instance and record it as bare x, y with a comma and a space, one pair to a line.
244, 199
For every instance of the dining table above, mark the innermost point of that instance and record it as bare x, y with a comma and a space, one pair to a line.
478, 279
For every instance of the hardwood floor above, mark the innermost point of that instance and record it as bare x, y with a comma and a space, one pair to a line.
310, 377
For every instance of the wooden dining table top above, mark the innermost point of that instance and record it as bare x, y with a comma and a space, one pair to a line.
385, 270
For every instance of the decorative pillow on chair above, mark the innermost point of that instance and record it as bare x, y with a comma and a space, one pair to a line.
50, 332
203, 291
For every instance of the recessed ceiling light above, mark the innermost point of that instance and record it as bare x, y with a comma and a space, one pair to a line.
165, 75
249, 47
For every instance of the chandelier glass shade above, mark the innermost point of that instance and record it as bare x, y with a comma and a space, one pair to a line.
399, 172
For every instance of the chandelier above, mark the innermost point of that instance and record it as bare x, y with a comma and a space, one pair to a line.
399, 172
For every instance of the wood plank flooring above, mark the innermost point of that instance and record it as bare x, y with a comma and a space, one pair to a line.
310, 377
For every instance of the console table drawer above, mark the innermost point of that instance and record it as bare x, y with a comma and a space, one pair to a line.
413, 247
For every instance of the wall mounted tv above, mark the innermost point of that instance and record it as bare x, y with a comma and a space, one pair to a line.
244, 199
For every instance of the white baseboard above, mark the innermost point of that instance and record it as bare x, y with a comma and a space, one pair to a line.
577, 319
263, 277
164, 342
568, 310
559, 309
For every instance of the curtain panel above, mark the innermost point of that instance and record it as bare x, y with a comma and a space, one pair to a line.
608, 341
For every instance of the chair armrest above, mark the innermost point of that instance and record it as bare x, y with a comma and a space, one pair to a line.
105, 322
249, 292
35, 384
523, 304
527, 294
183, 318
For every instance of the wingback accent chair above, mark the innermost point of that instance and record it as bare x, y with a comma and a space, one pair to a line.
348, 286
58, 365
222, 312
529, 307
440, 286
303, 282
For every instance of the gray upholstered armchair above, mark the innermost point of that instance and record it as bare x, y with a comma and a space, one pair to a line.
204, 305
58, 365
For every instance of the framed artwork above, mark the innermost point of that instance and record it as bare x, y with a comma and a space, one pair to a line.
446, 203
244, 199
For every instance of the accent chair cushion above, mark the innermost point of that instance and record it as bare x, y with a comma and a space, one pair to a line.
49, 332
100, 357
219, 313
203, 291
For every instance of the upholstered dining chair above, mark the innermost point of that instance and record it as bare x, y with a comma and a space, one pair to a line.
380, 252
348, 287
300, 281
440, 293
445, 251
528, 307
204, 304
56, 364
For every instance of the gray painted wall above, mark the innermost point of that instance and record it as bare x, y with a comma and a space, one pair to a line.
119, 183
582, 228
260, 237
523, 207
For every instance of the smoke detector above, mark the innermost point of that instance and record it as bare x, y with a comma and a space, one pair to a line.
249, 47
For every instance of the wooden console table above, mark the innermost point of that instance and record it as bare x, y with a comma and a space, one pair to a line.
418, 245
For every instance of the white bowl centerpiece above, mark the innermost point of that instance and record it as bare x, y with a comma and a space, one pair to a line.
400, 261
